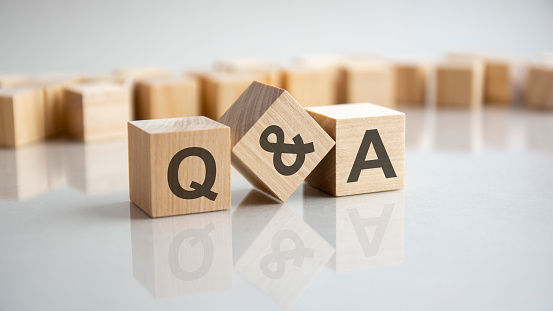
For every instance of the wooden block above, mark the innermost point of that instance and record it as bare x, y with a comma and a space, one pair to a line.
179, 166
410, 83
278, 253
311, 86
539, 87
11, 80
21, 116
367, 231
276, 144
369, 155
131, 73
266, 72
459, 84
369, 80
159, 98
97, 111
183, 255
24, 172
333, 64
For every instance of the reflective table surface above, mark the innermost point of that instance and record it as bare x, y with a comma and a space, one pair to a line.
471, 230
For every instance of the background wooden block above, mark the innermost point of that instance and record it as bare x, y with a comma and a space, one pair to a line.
97, 111
21, 116
539, 88
459, 84
131, 73
10, 80
333, 64
265, 71
369, 155
194, 150
311, 86
167, 98
369, 80
266, 117
410, 83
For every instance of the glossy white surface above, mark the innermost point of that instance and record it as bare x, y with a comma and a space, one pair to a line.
472, 230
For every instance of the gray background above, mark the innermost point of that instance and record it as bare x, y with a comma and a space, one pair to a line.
96, 36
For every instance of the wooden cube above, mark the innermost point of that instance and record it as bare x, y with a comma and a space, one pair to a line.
311, 86
159, 98
459, 84
97, 111
539, 86
275, 142
183, 255
11, 80
266, 72
131, 73
410, 83
179, 166
21, 116
369, 80
369, 155
367, 231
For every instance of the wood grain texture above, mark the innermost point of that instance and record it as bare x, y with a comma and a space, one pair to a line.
259, 107
539, 87
347, 124
152, 145
21, 116
369, 80
411, 83
97, 111
159, 98
11, 80
311, 86
459, 84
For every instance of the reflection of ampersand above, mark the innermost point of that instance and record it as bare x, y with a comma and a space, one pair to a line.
196, 236
278, 257
278, 148
370, 248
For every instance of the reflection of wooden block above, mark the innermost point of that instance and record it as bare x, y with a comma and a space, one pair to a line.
167, 98
369, 154
21, 116
10, 80
263, 120
367, 231
266, 72
279, 253
183, 255
311, 86
160, 185
410, 83
459, 85
539, 87
97, 111
370, 81
458, 130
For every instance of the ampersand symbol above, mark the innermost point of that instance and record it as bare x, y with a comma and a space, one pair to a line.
278, 148
298, 254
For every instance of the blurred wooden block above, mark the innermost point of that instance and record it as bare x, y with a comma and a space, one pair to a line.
459, 84
179, 166
369, 80
167, 98
97, 111
266, 72
276, 144
10, 80
311, 86
333, 64
132, 73
369, 155
21, 116
539, 88
410, 83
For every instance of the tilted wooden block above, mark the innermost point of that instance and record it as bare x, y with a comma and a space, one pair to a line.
267, 72
179, 166
459, 84
275, 142
410, 83
369, 155
311, 86
368, 80
167, 98
10, 80
97, 111
539, 87
21, 116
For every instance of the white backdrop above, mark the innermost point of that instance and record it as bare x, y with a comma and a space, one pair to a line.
96, 36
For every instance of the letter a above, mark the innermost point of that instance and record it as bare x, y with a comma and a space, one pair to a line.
383, 161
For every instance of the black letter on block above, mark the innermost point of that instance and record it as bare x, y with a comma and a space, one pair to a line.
200, 190
383, 161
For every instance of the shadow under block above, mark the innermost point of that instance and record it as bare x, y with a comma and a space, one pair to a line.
410, 83
179, 166
310, 86
21, 116
97, 111
159, 98
276, 144
368, 81
459, 85
369, 154
539, 89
